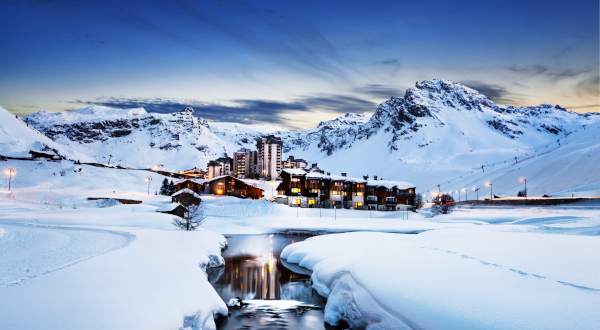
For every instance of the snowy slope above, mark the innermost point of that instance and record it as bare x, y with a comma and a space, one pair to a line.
17, 139
556, 170
440, 130
133, 137
244, 136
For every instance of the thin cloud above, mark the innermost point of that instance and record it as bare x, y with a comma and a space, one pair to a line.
496, 93
243, 111
379, 91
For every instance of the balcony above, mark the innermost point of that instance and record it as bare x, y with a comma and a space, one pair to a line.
371, 202
391, 202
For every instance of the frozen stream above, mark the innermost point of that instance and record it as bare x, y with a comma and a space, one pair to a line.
278, 297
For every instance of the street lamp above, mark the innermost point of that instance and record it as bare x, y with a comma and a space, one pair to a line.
10, 172
148, 179
458, 192
491, 190
466, 194
477, 191
525, 180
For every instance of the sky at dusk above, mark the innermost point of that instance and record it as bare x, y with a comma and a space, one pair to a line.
291, 63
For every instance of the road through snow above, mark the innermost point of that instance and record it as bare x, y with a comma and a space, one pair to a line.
28, 251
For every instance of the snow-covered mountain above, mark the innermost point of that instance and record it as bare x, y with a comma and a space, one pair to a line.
17, 139
438, 130
244, 136
175, 141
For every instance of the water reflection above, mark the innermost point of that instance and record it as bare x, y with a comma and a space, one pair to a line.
279, 297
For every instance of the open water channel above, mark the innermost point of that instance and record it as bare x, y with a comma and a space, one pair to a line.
277, 295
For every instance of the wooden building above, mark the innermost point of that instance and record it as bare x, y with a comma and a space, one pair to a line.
326, 190
225, 185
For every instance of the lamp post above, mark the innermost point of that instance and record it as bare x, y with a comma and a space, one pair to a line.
10, 172
148, 179
525, 180
466, 194
491, 190
458, 192
477, 191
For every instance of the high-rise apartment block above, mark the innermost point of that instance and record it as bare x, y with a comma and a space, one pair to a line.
269, 157
245, 162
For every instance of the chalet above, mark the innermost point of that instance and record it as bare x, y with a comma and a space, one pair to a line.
174, 209
225, 185
44, 156
195, 185
186, 197
315, 189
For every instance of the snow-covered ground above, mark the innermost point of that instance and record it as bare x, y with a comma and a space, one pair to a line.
67, 263
510, 268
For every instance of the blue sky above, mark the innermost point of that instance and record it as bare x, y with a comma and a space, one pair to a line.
291, 63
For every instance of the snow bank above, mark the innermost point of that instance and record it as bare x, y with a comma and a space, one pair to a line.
455, 279
122, 267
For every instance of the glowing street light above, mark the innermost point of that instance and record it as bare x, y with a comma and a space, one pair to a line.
458, 192
525, 180
491, 190
10, 172
466, 194
477, 191
148, 179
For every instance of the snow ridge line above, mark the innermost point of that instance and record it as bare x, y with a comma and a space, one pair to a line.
128, 236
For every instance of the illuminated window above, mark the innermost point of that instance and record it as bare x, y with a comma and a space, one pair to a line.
295, 179
314, 191
345, 193
335, 192
311, 202
359, 194
358, 204
295, 190
338, 183
361, 186
296, 201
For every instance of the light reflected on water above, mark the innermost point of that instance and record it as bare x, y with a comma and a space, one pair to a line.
253, 271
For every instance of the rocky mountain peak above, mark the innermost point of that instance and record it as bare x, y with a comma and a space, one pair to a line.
187, 111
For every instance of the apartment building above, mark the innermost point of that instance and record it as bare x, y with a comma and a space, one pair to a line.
293, 162
315, 189
219, 167
269, 157
245, 162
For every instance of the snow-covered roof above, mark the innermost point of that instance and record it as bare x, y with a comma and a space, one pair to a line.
379, 183
391, 184
199, 181
294, 171
219, 177
168, 207
187, 191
